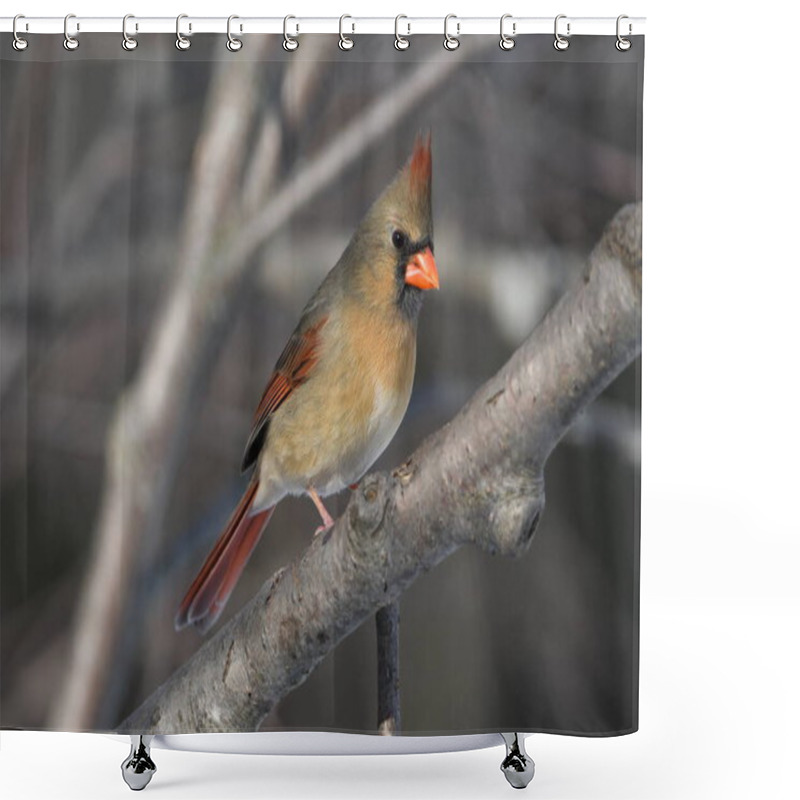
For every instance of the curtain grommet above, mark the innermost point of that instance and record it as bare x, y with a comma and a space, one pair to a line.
182, 42
401, 42
19, 44
561, 43
129, 42
345, 42
622, 44
70, 42
451, 42
290, 43
507, 42
234, 44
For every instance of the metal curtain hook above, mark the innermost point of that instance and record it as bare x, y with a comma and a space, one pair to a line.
345, 42
233, 44
128, 42
561, 43
507, 42
19, 43
290, 43
400, 42
451, 42
622, 44
70, 42
181, 42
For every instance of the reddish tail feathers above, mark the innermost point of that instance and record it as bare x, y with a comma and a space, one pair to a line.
214, 583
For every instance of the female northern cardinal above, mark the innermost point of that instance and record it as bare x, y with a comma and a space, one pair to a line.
342, 384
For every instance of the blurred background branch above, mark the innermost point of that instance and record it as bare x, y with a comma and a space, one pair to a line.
139, 435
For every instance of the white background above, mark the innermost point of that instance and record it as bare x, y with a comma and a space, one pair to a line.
719, 703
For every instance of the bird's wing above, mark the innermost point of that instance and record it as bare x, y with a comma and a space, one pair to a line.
293, 368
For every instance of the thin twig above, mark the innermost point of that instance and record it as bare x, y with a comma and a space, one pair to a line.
387, 625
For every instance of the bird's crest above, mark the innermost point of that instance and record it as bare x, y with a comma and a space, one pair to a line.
406, 201
419, 166
411, 190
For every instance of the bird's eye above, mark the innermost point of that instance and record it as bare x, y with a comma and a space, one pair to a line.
399, 239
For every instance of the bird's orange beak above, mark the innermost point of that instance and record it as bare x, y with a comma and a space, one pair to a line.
421, 270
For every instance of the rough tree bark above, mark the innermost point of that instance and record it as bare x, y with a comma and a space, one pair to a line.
478, 480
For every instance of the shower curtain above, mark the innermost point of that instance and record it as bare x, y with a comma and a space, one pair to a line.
166, 216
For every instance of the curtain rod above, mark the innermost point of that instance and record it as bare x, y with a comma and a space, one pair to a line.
349, 25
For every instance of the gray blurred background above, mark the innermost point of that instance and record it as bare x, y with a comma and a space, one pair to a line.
533, 152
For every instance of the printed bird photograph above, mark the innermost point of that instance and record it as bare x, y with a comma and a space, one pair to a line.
247, 299
342, 384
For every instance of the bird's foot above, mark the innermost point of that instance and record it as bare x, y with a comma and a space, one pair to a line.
324, 528
327, 519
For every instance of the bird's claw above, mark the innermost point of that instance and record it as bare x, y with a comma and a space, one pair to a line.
323, 529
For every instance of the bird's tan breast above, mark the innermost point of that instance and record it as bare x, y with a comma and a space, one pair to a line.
349, 411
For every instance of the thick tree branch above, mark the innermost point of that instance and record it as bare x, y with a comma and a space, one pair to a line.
477, 480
